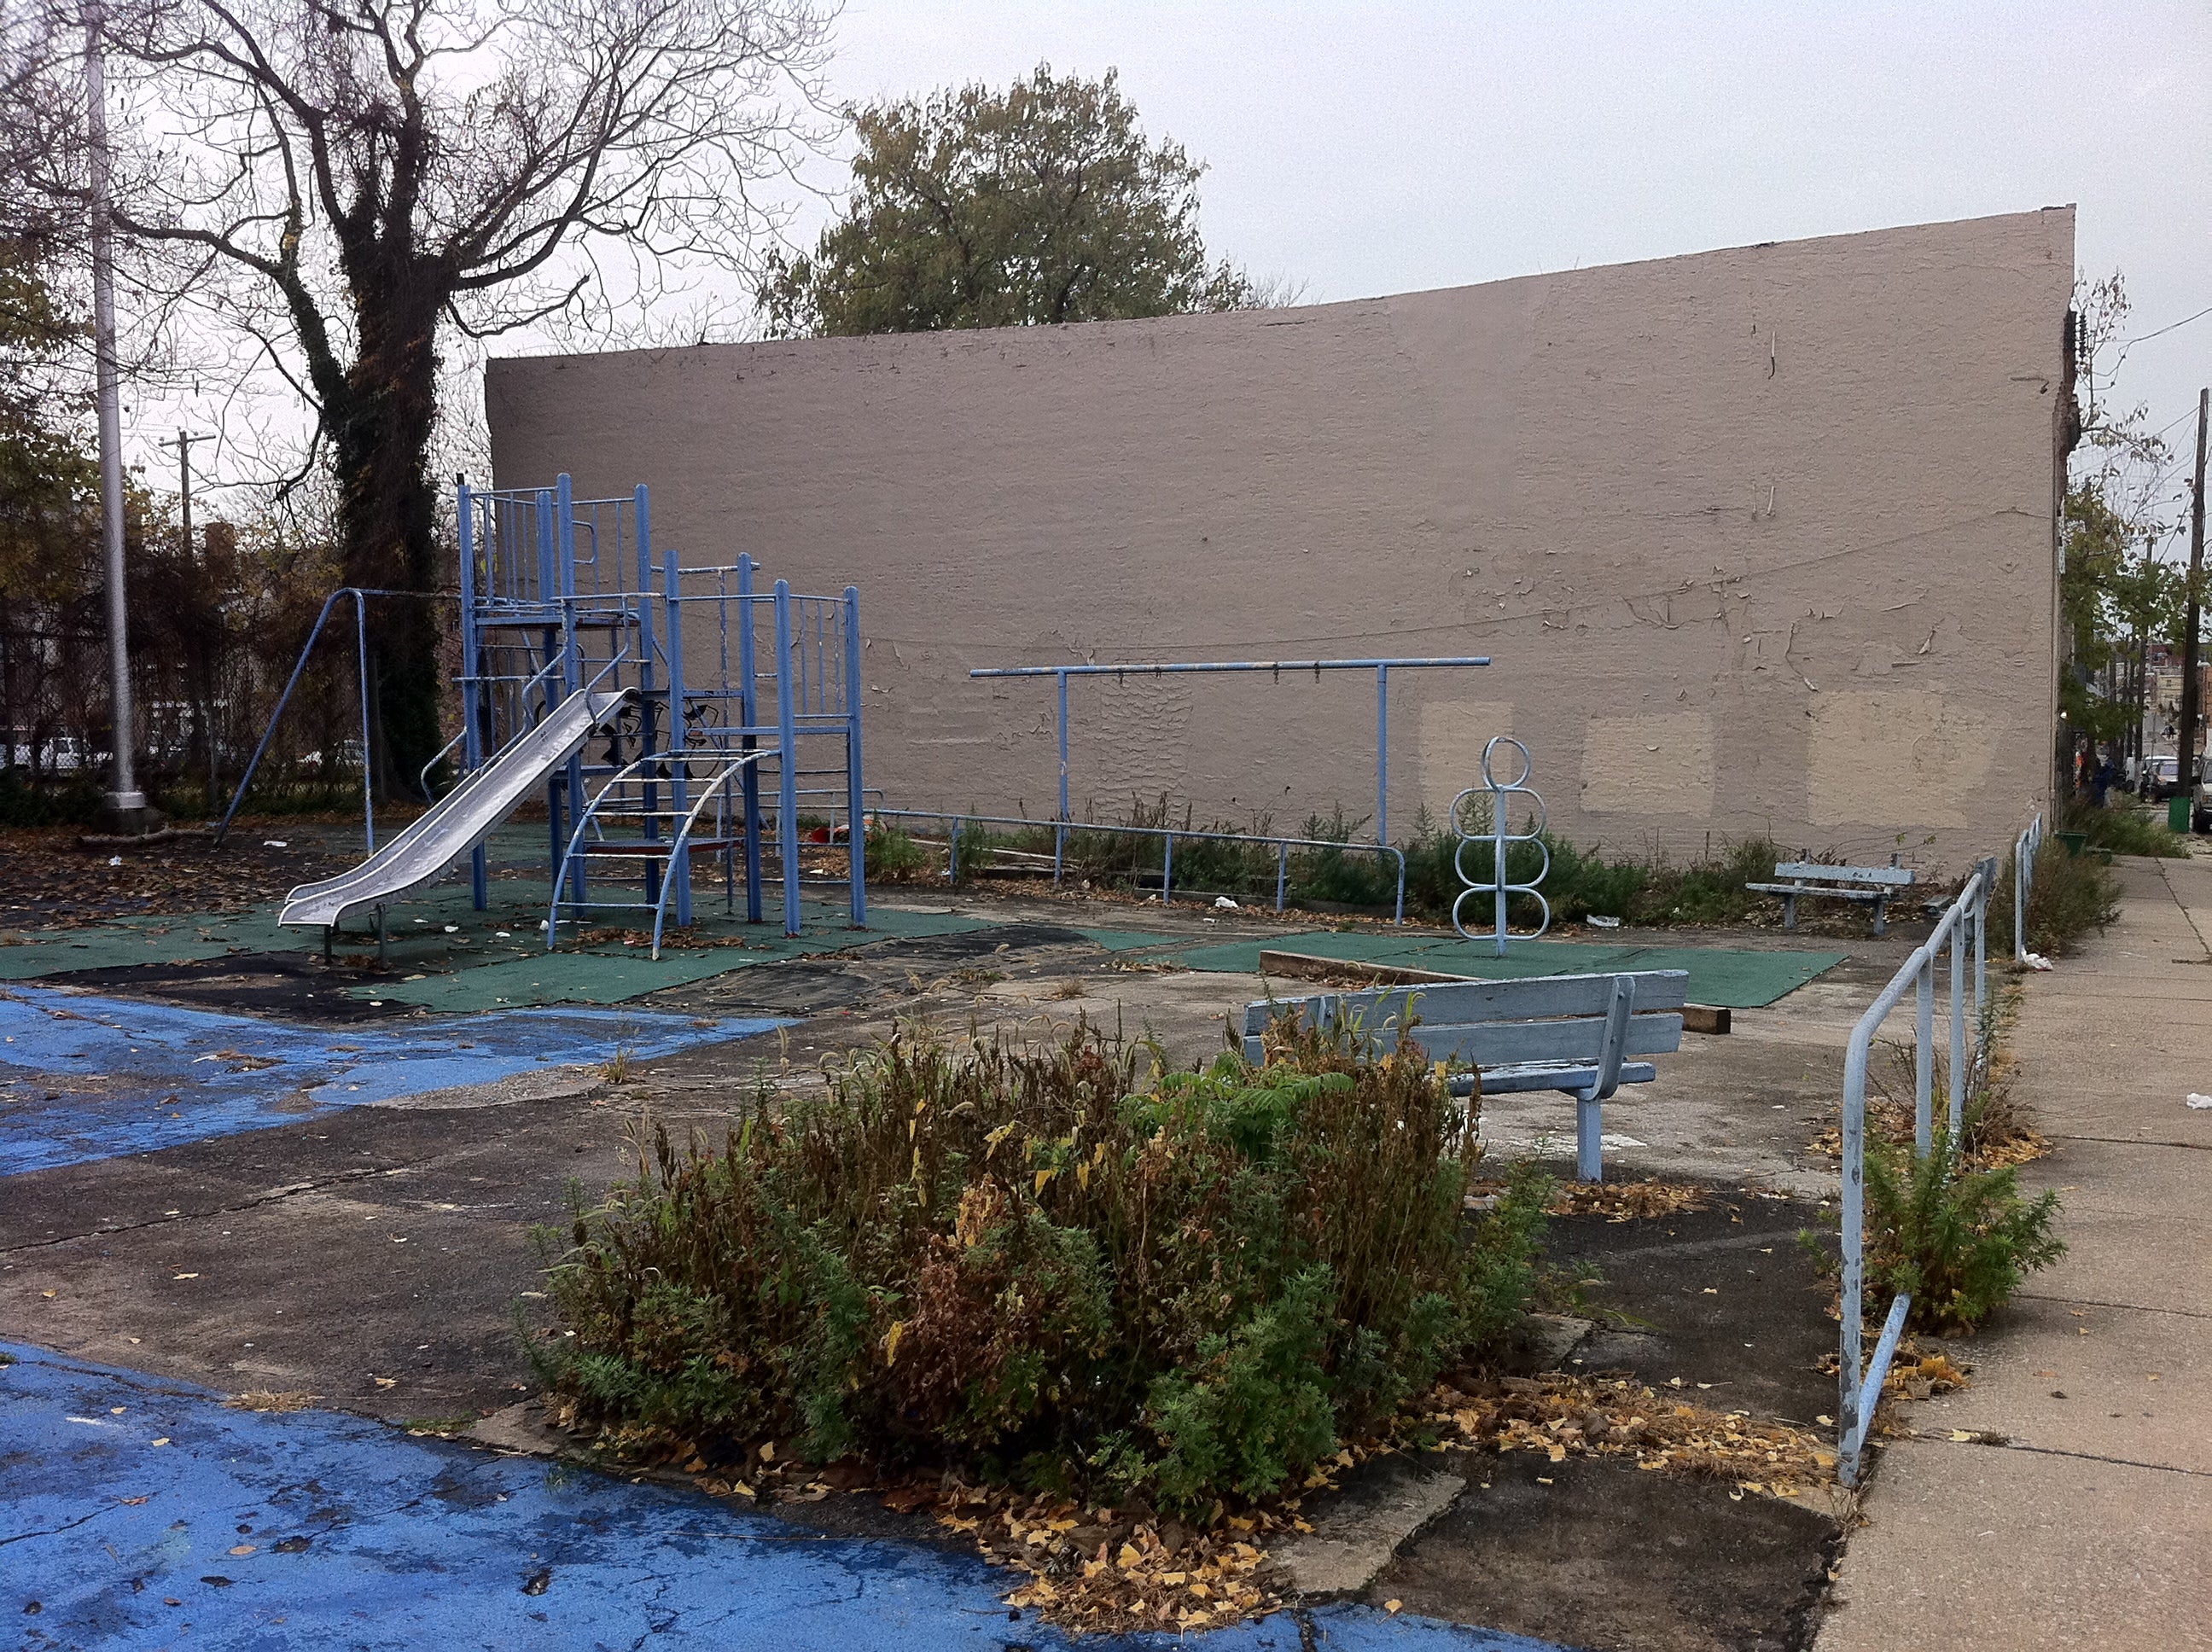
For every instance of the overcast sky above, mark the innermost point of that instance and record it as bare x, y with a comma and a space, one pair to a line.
1374, 148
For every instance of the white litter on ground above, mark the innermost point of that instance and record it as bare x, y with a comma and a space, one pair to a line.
1224, 903
2199, 1101
1596, 922
2035, 961
115, 860
276, 843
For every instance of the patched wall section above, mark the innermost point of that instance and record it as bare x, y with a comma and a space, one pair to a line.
1760, 540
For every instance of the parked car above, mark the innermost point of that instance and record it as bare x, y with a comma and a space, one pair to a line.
2161, 773
2200, 807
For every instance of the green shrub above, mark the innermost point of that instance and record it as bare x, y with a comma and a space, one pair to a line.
1055, 1261
2072, 894
1960, 1241
2121, 829
73, 802
892, 855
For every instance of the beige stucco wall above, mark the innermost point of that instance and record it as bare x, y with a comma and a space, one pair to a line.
1760, 540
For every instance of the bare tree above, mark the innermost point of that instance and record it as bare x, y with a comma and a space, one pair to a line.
352, 181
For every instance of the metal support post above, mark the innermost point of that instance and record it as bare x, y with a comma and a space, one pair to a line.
856, 824
749, 720
1383, 754
1059, 830
1924, 1060
787, 731
679, 794
368, 765
648, 708
471, 690
571, 669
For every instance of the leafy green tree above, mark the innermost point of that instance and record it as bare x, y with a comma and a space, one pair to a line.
1040, 204
2116, 595
49, 518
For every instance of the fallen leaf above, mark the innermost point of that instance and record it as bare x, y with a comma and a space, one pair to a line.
243, 1548
164, 1440
539, 1582
134, 1502
1393, 1606
387, 1381
178, 1276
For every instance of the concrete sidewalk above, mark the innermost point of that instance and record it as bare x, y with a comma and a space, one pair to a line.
2089, 1525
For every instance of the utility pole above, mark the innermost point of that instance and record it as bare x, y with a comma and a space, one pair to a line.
2185, 767
184, 447
125, 802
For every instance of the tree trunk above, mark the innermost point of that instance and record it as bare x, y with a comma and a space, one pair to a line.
380, 440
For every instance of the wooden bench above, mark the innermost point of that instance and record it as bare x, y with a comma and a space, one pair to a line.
1879, 885
1569, 1033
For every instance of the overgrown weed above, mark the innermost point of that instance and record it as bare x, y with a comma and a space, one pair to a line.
1059, 1264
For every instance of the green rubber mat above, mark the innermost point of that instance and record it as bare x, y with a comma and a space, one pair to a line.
56, 952
1137, 940
1722, 977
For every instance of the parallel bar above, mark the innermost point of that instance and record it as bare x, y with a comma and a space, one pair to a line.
1164, 669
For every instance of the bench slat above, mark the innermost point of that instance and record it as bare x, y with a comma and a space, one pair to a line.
1828, 894
1464, 1003
1519, 1080
1508, 1044
1515, 1042
1897, 877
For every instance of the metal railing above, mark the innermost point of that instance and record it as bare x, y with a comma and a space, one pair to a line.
1169, 836
1962, 929
2024, 852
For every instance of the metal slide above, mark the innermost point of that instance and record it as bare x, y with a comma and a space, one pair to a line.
459, 821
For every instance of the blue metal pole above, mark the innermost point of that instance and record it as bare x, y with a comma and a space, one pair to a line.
787, 758
679, 739
1060, 831
649, 713
283, 700
1139, 668
556, 793
368, 765
471, 667
1382, 754
571, 674
856, 824
749, 720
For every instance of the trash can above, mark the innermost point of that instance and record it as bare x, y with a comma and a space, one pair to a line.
2176, 812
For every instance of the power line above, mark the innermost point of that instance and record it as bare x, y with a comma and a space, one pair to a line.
2169, 327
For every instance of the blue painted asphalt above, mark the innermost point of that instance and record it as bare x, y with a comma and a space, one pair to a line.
140, 1512
83, 1078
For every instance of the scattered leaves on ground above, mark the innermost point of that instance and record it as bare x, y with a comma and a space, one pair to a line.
1562, 1416
271, 1400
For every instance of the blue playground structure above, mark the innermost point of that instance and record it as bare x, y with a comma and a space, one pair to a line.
654, 703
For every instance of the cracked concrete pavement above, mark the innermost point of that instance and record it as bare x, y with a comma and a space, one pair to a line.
2064, 1499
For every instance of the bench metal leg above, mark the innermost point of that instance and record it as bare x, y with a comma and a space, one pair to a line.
1589, 1105
1790, 911
1880, 922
